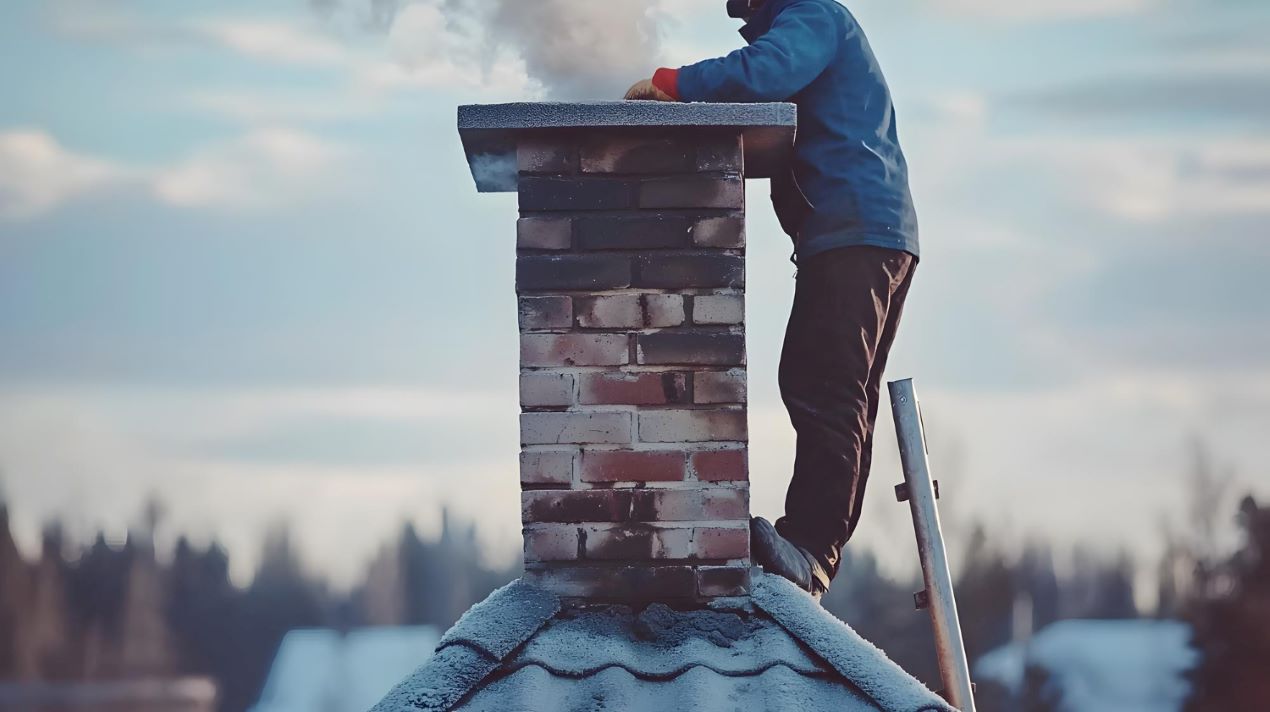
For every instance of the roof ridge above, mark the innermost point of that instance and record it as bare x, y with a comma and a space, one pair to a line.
862, 663
474, 648
504, 620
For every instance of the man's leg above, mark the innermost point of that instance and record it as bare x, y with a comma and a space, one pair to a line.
847, 304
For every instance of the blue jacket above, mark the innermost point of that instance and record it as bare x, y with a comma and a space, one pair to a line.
849, 181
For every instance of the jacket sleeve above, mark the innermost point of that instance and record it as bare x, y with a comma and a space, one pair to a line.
782, 62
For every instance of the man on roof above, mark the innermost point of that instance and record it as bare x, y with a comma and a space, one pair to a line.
845, 202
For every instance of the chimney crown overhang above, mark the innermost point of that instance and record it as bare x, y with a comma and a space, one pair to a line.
490, 132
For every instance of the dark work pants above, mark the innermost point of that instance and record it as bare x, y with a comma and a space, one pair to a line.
847, 305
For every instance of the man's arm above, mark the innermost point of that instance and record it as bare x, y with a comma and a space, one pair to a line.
788, 57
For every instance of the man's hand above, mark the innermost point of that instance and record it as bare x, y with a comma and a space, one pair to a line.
645, 91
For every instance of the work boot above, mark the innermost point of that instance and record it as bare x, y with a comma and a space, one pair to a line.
778, 555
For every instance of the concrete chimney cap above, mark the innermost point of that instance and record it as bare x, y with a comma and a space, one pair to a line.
490, 131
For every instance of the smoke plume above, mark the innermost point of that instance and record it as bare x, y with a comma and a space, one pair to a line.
572, 49
578, 49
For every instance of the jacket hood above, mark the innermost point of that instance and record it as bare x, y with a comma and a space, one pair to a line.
761, 21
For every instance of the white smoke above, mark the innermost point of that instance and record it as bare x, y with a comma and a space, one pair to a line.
578, 49
569, 49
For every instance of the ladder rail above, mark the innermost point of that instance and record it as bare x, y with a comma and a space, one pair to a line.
921, 492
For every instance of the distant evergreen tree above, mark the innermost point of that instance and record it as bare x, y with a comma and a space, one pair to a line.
1232, 624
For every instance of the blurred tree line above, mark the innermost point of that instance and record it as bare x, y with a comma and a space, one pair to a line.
108, 612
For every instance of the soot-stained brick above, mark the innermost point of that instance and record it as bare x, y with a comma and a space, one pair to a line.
544, 233
637, 154
553, 194
554, 312
669, 348
688, 271
599, 505
692, 191
572, 272
634, 232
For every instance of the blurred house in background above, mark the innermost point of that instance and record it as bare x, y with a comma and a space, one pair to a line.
1095, 666
322, 670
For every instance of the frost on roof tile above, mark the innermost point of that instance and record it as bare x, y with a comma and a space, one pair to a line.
661, 643
853, 657
499, 624
441, 683
533, 689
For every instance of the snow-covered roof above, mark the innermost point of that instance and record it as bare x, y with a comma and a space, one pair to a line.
1100, 665
521, 650
319, 669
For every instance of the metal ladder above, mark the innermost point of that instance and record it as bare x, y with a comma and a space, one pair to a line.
920, 491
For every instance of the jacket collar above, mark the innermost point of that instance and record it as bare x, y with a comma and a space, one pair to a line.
761, 21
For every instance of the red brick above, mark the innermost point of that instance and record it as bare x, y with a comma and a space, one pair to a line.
545, 156
598, 505
719, 386
544, 193
547, 350
632, 388
544, 233
575, 428
720, 465
689, 271
637, 543
620, 583
573, 272
705, 348
691, 191
718, 543
637, 154
672, 426
551, 543
716, 581
618, 311
546, 468
546, 389
663, 310
718, 309
632, 466
714, 504
545, 313
725, 232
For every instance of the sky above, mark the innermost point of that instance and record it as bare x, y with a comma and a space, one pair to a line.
243, 266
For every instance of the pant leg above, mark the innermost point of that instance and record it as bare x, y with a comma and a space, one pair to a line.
846, 311
893, 315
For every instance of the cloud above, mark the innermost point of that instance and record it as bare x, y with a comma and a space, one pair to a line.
1184, 92
1040, 10
277, 41
270, 108
262, 168
265, 167
37, 173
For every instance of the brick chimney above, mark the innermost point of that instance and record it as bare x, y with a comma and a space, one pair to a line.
630, 280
